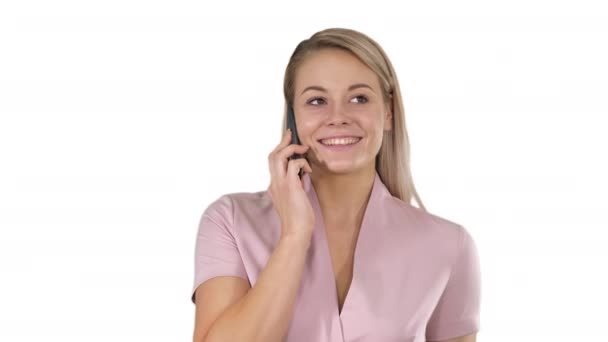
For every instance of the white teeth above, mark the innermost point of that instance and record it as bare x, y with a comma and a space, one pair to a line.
340, 141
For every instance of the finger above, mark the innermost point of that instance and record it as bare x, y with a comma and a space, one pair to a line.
285, 140
288, 151
293, 168
278, 160
307, 166
275, 167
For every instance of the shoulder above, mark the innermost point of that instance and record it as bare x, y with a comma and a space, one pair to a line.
229, 206
439, 232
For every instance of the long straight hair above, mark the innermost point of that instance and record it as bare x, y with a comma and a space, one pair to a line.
393, 159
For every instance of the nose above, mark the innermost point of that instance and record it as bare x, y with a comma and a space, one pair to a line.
337, 116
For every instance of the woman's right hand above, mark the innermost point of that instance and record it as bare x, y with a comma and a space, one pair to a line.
286, 189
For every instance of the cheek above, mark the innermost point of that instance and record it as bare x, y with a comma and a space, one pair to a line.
375, 131
305, 130
373, 123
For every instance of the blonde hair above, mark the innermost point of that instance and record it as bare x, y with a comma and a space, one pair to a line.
393, 159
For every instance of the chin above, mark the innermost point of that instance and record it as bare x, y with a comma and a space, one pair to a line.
343, 167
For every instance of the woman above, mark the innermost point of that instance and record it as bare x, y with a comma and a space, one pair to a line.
340, 254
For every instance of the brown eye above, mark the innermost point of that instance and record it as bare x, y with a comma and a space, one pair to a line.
361, 98
315, 99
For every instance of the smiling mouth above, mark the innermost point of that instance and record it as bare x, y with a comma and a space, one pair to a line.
342, 146
340, 142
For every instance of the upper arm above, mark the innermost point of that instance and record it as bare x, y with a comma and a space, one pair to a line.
455, 318
212, 298
467, 338
220, 277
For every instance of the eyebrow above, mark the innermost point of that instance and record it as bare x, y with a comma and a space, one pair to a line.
354, 86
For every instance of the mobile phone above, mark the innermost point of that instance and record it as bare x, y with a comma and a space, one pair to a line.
291, 124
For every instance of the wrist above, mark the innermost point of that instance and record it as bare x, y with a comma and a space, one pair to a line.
297, 239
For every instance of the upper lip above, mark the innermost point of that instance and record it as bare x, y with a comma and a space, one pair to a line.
340, 136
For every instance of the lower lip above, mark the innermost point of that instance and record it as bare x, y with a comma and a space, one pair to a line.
339, 148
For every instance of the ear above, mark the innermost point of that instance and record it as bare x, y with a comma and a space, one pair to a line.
388, 117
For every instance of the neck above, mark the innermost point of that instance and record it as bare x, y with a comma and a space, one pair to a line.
343, 198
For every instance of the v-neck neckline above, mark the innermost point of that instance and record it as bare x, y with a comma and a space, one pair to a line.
361, 247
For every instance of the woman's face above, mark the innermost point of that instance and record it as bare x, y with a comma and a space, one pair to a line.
338, 95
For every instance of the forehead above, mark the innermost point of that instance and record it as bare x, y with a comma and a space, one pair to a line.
333, 68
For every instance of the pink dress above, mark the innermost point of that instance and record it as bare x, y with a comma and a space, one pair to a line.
416, 276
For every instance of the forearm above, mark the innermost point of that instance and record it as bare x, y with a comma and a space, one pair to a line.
265, 312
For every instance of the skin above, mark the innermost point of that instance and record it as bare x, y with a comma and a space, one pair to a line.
343, 179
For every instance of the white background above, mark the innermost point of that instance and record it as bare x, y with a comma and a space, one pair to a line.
122, 120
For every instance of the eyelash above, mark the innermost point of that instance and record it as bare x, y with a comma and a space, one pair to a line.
320, 98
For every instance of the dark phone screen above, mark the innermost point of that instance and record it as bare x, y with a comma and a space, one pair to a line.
291, 124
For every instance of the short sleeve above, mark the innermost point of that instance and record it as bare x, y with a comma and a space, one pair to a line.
457, 312
216, 252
